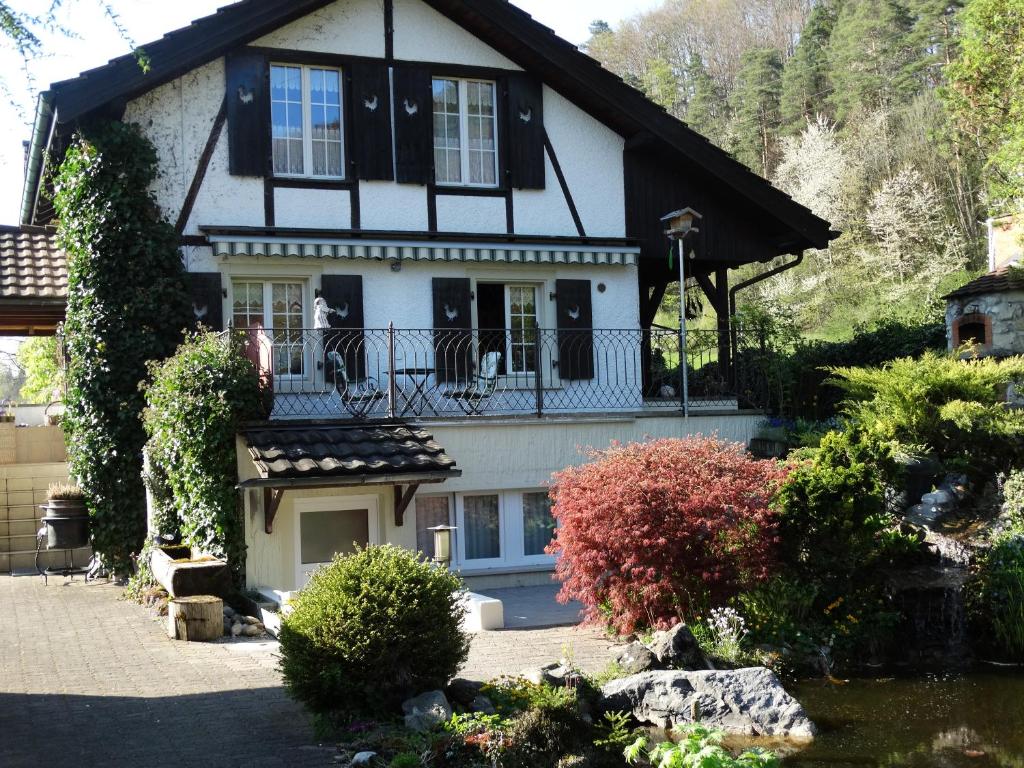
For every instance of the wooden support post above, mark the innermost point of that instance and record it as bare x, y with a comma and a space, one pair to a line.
196, 619
402, 502
271, 502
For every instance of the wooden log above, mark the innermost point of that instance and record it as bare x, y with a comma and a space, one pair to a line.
197, 619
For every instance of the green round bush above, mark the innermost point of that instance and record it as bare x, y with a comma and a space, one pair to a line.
372, 629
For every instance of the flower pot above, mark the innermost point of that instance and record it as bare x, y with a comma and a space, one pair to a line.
66, 532
66, 507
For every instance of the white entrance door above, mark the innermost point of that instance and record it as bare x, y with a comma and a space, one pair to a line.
331, 526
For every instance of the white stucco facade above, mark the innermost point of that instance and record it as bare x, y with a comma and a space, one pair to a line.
506, 459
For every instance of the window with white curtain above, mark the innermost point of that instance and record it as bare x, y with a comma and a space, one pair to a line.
500, 529
431, 511
306, 121
465, 132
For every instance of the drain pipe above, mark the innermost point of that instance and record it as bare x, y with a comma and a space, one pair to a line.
42, 135
754, 280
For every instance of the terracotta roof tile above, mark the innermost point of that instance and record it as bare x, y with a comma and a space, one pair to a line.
339, 451
32, 267
1007, 278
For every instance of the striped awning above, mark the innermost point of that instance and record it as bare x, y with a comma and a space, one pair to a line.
495, 253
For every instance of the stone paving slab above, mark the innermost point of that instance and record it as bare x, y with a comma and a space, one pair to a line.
535, 607
88, 679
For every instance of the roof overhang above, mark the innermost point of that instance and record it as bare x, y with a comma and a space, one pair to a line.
498, 23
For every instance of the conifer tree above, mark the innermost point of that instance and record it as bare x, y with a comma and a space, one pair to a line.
805, 77
707, 111
755, 109
871, 60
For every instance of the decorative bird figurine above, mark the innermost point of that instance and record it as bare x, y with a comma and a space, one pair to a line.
245, 95
411, 108
574, 314
371, 104
526, 116
200, 313
451, 314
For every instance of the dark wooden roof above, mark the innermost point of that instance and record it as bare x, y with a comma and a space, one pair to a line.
364, 450
506, 28
1007, 278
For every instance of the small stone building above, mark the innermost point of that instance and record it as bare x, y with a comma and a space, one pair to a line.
989, 310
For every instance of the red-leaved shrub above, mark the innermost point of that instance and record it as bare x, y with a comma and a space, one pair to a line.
652, 532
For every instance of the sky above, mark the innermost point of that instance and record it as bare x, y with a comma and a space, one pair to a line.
143, 20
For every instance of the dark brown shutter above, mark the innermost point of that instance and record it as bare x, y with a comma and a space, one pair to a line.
526, 132
248, 99
575, 329
414, 125
453, 335
371, 121
344, 294
207, 299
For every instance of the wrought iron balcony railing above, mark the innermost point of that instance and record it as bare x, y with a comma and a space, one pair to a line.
435, 373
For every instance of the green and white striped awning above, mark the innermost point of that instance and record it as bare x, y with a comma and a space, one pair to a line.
493, 253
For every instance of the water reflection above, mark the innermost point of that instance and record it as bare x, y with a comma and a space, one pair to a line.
949, 721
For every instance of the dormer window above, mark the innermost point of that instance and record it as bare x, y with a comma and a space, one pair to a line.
465, 132
306, 119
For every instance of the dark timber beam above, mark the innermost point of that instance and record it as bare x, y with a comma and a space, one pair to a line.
271, 503
402, 502
204, 165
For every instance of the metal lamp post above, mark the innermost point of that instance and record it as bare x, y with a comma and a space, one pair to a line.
442, 544
678, 225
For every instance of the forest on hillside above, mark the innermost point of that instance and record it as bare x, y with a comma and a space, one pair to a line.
899, 121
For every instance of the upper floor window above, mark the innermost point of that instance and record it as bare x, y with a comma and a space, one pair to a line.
306, 119
465, 132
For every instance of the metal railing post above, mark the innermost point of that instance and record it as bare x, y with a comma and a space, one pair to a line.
538, 375
392, 384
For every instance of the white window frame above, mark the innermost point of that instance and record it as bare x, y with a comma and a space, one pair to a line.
307, 121
511, 538
538, 292
332, 504
268, 314
463, 86
460, 516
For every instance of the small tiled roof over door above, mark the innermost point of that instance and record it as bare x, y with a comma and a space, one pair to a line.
33, 281
368, 452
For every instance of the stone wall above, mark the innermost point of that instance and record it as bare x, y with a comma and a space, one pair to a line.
1004, 310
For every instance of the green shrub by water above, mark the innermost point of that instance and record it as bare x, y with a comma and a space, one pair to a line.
372, 629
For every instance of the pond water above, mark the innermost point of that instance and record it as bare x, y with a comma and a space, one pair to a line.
942, 721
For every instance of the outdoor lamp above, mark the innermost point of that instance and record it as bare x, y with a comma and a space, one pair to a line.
442, 544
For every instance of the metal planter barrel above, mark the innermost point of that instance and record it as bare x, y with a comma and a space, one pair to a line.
67, 524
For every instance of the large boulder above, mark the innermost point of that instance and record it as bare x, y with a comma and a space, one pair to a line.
747, 702
426, 711
634, 658
677, 648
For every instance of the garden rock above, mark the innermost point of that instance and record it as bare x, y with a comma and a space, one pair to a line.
677, 648
252, 630
426, 711
550, 674
746, 702
635, 658
363, 758
236, 629
483, 705
462, 691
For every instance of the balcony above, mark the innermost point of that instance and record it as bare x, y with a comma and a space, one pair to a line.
431, 374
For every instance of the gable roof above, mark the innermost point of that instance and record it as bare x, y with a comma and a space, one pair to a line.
1009, 277
506, 28
33, 281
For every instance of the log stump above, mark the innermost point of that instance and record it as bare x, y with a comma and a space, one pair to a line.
195, 619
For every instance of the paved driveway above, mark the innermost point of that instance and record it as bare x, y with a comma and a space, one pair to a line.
88, 680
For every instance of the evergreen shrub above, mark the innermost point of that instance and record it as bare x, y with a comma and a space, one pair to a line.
372, 629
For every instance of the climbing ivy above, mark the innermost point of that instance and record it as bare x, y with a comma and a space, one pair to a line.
196, 403
127, 304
